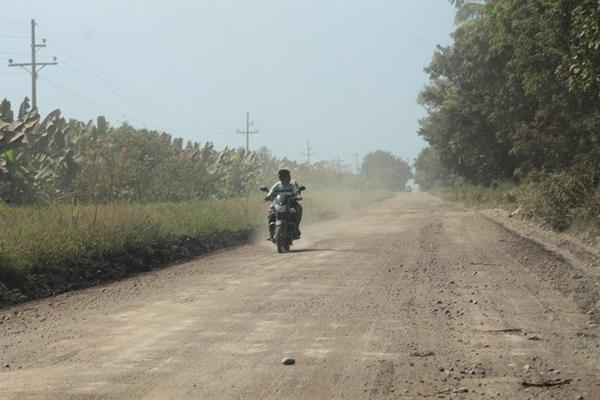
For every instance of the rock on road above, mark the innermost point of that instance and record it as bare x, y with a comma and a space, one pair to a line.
411, 298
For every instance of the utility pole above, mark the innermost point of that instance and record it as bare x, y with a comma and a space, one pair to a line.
309, 152
248, 132
356, 163
35, 66
339, 163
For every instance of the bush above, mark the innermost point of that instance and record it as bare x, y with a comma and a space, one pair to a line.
37, 237
569, 197
587, 215
502, 195
553, 199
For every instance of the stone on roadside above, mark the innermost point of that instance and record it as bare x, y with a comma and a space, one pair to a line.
288, 361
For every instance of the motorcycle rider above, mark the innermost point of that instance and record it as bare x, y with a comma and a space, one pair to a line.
286, 186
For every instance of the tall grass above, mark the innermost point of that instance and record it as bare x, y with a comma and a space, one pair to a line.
559, 201
33, 237
36, 237
504, 195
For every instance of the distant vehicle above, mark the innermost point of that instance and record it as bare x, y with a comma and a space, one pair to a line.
283, 226
408, 188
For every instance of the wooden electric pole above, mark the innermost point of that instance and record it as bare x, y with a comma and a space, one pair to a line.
35, 66
356, 163
309, 152
248, 132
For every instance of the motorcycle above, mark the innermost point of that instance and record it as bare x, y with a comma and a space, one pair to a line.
281, 223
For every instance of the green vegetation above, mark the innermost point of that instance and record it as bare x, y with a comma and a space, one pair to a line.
504, 196
36, 237
84, 203
516, 98
58, 161
382, 169
429, 170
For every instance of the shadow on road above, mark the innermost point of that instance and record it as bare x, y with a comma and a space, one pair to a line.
310, 250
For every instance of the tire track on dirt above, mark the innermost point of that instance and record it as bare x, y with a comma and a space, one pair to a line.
404, 300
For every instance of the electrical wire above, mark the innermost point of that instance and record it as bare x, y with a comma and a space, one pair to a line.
146, 106
75, 96
124, 89
4, 21
103, 107
113, 86
12, 37
141, 106
12, 53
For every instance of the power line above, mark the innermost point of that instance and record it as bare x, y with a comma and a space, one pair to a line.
12, 53
4, 21
76, 96
117, 93
104, 83
122, 87
177, 122
248, 132
12, 37
33, 64
103, 107
144, 105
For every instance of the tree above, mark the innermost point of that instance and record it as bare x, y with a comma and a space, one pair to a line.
518, 91
467, 10
384, 170
429, 170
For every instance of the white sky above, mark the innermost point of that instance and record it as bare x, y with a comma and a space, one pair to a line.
342, 74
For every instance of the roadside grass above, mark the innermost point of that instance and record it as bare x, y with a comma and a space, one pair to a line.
33, 238
505, 195
560, 206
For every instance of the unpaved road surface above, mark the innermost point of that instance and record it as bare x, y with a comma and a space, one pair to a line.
413, 298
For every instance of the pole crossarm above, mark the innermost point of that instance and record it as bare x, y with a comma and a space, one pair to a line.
248, 132
43, 64
20, 65
34, 66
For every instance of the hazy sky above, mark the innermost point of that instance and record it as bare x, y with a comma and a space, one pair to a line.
342, 74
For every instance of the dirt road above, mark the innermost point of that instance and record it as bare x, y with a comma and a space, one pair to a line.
412, 298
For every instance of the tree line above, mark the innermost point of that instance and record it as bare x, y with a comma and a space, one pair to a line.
516, 98
57, 160
517, 93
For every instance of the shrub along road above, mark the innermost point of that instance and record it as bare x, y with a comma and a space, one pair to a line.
412, 298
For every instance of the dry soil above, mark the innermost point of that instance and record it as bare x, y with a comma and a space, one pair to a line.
412, 298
